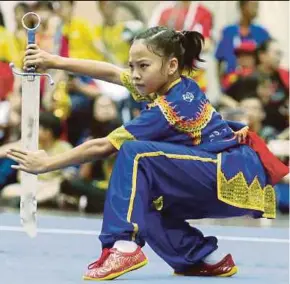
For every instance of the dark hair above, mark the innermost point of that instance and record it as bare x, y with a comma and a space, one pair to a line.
2, 22
23, 6
49, 121
242, 3
263, 47
186, 46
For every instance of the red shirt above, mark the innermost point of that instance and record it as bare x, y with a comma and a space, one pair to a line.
200, 19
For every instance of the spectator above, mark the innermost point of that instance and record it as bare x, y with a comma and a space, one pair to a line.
72, 96
49, 22
9, 85
255, 116
233, 35
114, 36
187, 15
8, 54
82, 91
77, 35
268, 57
49, 140
92, 182
240, 82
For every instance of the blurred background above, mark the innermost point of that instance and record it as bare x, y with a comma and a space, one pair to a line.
245, 76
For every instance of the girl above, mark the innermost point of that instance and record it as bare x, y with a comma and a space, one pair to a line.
178, 160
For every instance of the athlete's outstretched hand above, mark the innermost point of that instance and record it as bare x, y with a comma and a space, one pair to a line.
30, 162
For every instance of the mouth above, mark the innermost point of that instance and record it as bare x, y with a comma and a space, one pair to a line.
139, 86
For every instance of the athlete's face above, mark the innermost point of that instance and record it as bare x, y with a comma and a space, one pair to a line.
149, 71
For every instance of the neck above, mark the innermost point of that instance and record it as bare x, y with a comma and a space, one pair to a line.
166, 87
245, 22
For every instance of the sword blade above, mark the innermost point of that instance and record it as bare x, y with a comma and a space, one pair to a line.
29, 140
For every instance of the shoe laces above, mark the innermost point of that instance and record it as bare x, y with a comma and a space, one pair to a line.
105, 254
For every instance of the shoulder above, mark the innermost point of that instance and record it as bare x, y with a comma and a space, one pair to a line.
260, 31
258, 28
230, 29
185, 98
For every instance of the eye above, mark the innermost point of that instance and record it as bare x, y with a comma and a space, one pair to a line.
143, 65
130, 66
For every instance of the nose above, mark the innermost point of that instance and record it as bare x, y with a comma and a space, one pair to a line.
136, 75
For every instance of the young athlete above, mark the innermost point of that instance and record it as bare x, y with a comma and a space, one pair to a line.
178, 160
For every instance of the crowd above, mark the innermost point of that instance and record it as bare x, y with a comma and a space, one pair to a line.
253, 88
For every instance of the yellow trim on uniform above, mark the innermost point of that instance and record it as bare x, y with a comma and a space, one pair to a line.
126, 80
118, 136
238, 193
234, 191
135, 171
175, 82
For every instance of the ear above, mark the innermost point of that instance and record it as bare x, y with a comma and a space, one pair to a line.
172, 65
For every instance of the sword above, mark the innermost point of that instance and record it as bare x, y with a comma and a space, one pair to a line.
30, 104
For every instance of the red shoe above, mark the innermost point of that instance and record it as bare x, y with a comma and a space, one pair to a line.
225, 268
114, 263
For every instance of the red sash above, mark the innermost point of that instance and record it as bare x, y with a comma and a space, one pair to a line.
274, 167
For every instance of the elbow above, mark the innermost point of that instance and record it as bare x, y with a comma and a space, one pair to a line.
100, 148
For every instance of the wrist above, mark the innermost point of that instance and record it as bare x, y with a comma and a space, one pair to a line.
57, 62
47, 165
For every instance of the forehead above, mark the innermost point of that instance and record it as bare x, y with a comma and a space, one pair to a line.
140, 51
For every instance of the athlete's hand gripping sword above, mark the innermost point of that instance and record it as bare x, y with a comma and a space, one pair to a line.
30, 105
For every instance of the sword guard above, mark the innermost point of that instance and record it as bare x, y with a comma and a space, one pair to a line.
30, 75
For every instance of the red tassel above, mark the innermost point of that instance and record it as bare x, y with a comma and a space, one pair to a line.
274, 167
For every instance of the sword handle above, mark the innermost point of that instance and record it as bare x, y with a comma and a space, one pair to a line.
31, 34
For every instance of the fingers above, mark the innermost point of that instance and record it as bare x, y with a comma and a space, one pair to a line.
31, 52
21, 168
15, 158
31, 56
32, 46
19, 151
16, 155
32, 61
17, 167
241, 135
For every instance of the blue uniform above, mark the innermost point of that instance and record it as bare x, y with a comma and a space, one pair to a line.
180, 160
231, 38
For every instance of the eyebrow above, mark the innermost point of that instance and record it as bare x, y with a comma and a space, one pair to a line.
140, 60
